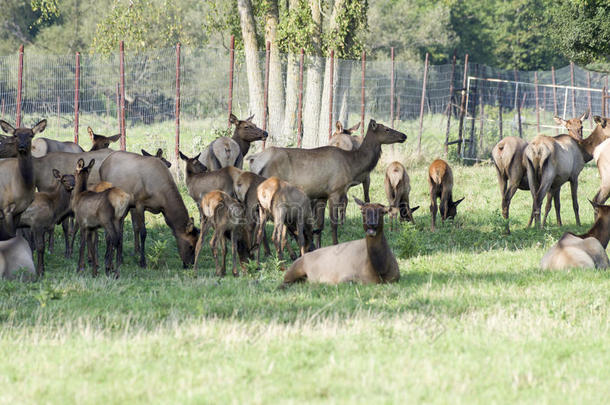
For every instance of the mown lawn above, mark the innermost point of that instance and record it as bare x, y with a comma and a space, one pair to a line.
473, 319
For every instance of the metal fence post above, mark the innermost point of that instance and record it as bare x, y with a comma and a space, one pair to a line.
330, 93
363, 71
177, 112
76, 97
19, 86
462, 108
554, 94
449, 104
122, 92
118, 105
266, 90
589, 99
392, 85
58, 115
423, 100
500, 123
300, 106
518, 104
573, 91
537, 106
231, 70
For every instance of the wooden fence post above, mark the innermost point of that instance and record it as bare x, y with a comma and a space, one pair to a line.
423, 100
462, 108
392, 86
19, 86
300, 106
363, 71
450, 103
122, 93
537, 105
177, 111
231, 70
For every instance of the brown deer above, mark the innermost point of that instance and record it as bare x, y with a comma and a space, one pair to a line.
17, 174
440, 179
226, 151
550, 162
16, 260
227, 216
326, 173
397, 188
245, 189
47, 210
101, 141
583, 251
44, 146
98, 210
507, 156
290, 209
158, 155
152, 188
368, 261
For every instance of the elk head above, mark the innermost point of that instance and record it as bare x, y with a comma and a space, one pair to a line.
574, 125
383, 134
451, 210
101, 141
158, 155
187, 240
23, 136
246, 130
66, 180
372, 217
193, 165
341, 130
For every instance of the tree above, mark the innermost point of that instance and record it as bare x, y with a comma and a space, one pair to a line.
276, 82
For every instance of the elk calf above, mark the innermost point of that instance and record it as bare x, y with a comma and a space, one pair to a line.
342, 138
397, 189
583, 251
227, 216
98, 210
368, 261
440, 179
245, 188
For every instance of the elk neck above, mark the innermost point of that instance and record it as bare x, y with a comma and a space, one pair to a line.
365, 158
593, 141
378, 250
600, 230
26, 167
244, 146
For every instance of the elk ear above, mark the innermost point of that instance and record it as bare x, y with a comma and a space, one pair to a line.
114, 138
373, 124
56, 174
159, 153
144, 153
599, 120
354, 128
197, 157
358, 201
584, 115
560, 121
80, 164
39, 127
6, 127
594, 204
456, 203
339, 126
189, 226
183, 156
249, 119
233, 119
413, 209
91, 134
91, 164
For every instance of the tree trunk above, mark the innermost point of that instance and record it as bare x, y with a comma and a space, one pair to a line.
253, 66
292, 94
311, 111
344, 81
276, 79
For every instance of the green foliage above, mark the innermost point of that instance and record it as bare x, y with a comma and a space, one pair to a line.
346, 38
408, 241
296, 28
156, 253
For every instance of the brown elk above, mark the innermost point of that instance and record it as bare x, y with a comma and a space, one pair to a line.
290, 209
245, 189
440, 179
584, 251
44, 146
326, 173
47, 210
16, 260
158, 155
507, 156
17, 175
227, 216
101, 141
368, 261
397, 188
98, 210
596, 146
550, 162
152, 188
226, 151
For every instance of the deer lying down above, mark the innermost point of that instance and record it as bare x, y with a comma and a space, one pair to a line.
397, 189
582, 251
16, 259
440, 179
369, 260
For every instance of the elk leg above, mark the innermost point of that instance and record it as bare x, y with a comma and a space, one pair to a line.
118, 226
301, 236
366, 184
81, 250
223, 252
547, 207
91, 249
234, 252
433, 209
507, 197
334, 204
319, 206
574, 191
136, 240
39, 243
557, 204
51, 239
140, 231
110, 241
65, 226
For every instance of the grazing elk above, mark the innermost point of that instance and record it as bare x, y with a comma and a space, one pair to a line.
440, 179
227, 216
397, 188
17, 174
326, 173
368, 261
98, 210
245, 189
583, 251
290, 209
158, 155
16, 260
550, 162
507, 156
152, 188
47, 210
226, 151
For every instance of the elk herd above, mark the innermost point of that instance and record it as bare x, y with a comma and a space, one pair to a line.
44, 183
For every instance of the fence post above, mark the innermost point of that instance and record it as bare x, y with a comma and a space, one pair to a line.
363, 71
554, 94
537, 106
76, 97
2, 112
58, 116
392, 85
266, 89
573, 92
19, 86
462, 107
231, 69
589, 99
500, 123
330, 93
605, 92
421, 107
177, 113
604, 89
300, 106
518, 104
118, 105
449, 103
122, 92
475, 99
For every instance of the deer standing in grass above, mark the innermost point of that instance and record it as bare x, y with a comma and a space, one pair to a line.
440, 179
397, 188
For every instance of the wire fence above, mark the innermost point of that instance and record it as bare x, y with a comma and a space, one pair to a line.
392, 92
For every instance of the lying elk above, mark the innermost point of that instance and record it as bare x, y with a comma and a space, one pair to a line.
17, 175
16, 260
226, 151
583, 251
552, 161
507, 156
47, 210
397, 188
369, 260
245, 189
98, 210
440, 179
326, 173
290, 209
227, 216
152, 188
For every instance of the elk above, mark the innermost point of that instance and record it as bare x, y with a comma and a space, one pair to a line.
44, 146
290, 209
596, 147
507, 156
98, 210
440, 180
583, 251
397, 188
152, 188
8, 147
326, 173
47, 210
550, 162
368, 261
227, 216
16, 260
226, 151
158, 155
101, 141
245, 188
17, 174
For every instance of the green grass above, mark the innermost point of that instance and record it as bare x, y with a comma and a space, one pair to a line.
473, 319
